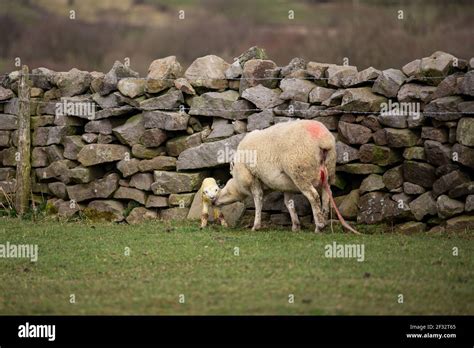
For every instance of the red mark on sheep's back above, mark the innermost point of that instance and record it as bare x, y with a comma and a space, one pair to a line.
315, 129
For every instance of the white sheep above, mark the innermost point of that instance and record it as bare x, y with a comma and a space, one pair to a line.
297, 156
209, 193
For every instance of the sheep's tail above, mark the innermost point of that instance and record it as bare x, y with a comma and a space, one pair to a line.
325, 182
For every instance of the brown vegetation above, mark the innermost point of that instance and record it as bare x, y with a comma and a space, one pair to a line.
366, 32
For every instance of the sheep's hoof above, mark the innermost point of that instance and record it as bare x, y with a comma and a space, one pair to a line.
296, 228
321, 224
319, 227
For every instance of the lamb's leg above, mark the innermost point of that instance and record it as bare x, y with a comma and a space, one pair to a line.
257, 194
218, 216
291, 208
204, 213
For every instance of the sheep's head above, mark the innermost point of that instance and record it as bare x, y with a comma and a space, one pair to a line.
229, 194
210, 189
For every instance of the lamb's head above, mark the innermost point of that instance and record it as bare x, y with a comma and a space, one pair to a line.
230, 194
210, 189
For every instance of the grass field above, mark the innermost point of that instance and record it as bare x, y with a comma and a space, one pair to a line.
169, 259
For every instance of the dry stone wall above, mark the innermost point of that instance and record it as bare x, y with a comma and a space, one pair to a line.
120, 147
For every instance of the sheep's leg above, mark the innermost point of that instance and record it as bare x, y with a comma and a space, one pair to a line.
218, 216
257, 194
290, 205
204, 214
325, 200
313, 197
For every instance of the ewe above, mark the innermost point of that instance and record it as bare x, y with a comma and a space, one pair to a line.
297, 156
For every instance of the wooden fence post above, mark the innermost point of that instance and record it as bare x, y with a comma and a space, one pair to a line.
23, 165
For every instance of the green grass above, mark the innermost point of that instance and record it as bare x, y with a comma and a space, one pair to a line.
169, 259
